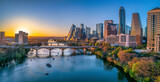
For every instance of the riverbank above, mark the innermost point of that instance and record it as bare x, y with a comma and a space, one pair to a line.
143, 67
10, 54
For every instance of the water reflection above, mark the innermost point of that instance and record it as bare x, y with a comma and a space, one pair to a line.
79, 68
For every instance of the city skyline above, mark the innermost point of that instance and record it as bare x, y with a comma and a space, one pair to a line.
44, 19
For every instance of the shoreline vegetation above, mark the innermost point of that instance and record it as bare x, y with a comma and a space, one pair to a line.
10, 54
143, 67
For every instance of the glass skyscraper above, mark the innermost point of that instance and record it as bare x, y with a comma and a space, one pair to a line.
99, 30
121, 20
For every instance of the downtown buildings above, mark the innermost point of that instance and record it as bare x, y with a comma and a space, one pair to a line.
21, 38
153, 29
136, 28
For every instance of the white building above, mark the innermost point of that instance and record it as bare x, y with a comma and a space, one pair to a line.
122, 40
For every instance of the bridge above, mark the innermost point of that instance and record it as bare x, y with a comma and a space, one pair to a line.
51, 47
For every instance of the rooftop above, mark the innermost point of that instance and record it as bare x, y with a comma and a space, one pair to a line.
157, 9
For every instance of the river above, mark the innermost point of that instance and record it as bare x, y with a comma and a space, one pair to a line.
78, 68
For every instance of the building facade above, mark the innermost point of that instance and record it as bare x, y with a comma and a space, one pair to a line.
122, 40
71, 31
157, 43
88, 32
121, 20
21, 37
136, 28
109, 28
2, 38
99, 30
94, 33
83, 32
153, 27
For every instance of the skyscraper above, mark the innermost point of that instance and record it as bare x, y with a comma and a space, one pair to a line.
76, 34
94, 33
83, 33
109, 28
70, 34
127, 29
21, 37
88, 33
2, 38
121, 20
136, 28
99, 30
153, 27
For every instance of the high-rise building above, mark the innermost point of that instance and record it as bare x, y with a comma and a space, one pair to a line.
153, 27
145, 32
76, 34
21, 37
99, 30
136, 28
109, 28
88, 33
83, 33
94, 33
121, 20
2, 38
70, 34
127, 29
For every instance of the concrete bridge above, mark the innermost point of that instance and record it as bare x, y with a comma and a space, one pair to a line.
51, 47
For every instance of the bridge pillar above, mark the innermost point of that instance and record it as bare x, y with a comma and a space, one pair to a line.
50, 52
62, 51
84, 49
74, 51
36, 52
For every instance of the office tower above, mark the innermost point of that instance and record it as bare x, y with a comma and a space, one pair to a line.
21, 37
70, 34
88, 33
2, 38
76, 34
94, 34
83, 33
99, 30
109, 28
145, 32
121, 20
127, 29
136, 28
153, 27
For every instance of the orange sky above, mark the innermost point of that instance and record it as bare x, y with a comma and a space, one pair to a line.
32, 27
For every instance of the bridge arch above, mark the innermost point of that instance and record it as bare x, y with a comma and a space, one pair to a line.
43, 52
56, 52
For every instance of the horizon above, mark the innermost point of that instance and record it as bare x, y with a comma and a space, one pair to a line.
48, 18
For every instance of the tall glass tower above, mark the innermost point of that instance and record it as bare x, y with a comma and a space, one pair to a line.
99, 30
136, 28
121, 20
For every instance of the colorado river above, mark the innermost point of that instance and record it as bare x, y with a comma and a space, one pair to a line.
78, 68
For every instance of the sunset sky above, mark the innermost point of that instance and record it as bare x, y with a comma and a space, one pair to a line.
55, 17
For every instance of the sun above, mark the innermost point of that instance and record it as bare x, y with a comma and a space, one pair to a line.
24, 29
